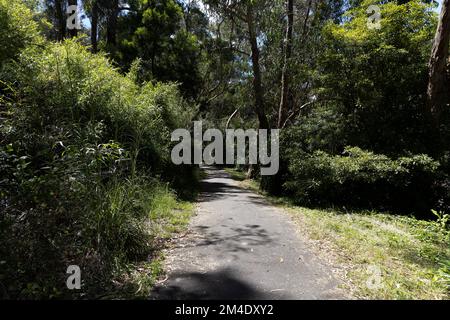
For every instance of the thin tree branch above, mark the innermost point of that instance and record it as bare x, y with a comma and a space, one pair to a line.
231, 118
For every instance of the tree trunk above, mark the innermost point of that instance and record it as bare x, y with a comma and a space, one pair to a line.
438, 86
284, 104
111, 29
257, 81
305, 23
74, 31
94, 26
60, 20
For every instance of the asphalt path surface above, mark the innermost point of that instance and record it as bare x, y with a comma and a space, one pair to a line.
240, 247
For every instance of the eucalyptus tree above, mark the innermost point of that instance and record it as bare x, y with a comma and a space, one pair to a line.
438, 85
245, 17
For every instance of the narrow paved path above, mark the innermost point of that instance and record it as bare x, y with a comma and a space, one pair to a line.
240, 247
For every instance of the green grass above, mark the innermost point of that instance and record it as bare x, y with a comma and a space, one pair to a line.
201, 174
236, 174
167, 216
412, 256
406, 251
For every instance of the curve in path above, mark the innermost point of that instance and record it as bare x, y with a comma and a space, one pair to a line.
240, 247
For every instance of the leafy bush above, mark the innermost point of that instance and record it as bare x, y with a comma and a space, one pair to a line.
17, 29
82, 149
362, 178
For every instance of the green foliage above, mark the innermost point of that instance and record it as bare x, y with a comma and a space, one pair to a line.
166, 50
17, 29
445, 273
67, 84
412, 254
82, 146
377, 78
443, 219
370, 87
362, 178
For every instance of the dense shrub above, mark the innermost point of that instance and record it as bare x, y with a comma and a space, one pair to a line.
82, 149
98, 227
362, 178
65, 83
17, 29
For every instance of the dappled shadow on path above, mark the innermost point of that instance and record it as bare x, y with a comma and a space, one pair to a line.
212, 190
237, 239
216, 173
257, 200
217, 185
216, 285
219, 242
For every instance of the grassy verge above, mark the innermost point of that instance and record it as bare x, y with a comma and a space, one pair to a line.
167, 217
237, 175
377, 255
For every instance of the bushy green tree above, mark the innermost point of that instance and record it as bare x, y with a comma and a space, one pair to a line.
17, 29
377, 78
156, 33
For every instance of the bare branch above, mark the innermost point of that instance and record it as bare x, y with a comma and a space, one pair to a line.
231, 118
